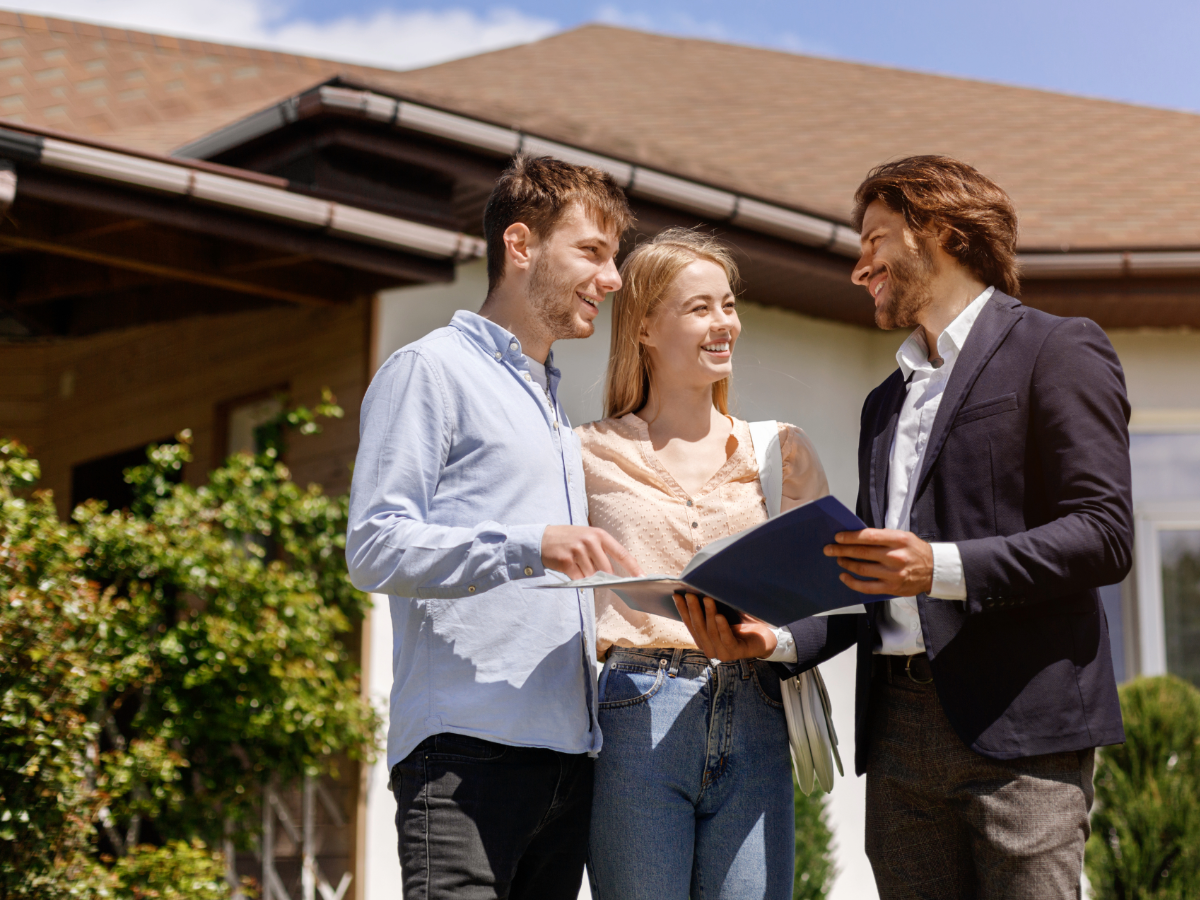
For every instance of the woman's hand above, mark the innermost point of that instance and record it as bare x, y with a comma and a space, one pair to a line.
717, 639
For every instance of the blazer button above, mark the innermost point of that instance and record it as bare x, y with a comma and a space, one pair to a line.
528, 570
471, 589
695, 524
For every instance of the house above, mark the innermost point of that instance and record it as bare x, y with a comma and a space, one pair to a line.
192, 227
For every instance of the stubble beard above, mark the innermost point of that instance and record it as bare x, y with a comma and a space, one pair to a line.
553, 300
910, 280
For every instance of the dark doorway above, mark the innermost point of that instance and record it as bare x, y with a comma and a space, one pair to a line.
104, 478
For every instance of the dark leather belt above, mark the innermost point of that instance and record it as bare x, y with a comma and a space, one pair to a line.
912, 668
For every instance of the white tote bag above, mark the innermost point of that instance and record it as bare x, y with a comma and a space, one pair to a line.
806, 706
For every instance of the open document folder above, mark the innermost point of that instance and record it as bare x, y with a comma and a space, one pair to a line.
776, 571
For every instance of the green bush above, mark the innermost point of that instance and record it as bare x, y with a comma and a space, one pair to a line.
160, 664
814, 864
1145, 842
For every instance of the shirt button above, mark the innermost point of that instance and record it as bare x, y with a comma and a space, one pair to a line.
528, 570
527, 376
513, 346
695, 524
498, 354
689, 503
555, 426
471, 589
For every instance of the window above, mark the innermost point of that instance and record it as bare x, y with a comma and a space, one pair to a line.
1166, 581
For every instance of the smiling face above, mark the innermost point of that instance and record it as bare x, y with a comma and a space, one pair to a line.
689, 337
896, 267
571, 271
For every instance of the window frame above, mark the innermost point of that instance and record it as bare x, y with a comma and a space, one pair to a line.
1150, 520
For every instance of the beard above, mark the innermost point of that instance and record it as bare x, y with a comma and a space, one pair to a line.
909, 280
553, 299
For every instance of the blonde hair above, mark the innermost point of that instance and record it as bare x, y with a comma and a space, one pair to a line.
646, 275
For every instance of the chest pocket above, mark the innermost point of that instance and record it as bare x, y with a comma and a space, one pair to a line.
985, 409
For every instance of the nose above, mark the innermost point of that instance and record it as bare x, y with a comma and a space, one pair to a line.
609, 279
861, 273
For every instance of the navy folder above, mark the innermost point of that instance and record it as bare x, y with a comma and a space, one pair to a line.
776, 571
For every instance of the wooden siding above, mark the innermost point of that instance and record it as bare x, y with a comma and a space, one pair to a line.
74, 400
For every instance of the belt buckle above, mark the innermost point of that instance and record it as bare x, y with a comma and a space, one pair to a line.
908, 671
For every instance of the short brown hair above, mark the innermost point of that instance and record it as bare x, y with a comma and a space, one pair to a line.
536, 191
646, 275
936, 193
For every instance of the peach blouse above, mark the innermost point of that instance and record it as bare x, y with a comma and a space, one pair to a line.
633, 497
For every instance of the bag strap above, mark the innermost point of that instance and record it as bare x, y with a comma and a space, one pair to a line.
765, 437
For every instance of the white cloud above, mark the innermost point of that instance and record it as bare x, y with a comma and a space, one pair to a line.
389, 38
684, 24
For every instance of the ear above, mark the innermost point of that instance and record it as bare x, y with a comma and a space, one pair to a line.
645, 338
518, 245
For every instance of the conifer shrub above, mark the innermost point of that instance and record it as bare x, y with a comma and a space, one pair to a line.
815, 870
1145, 842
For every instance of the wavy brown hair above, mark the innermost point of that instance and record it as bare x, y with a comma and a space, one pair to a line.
646, 275
536, 191
938, 194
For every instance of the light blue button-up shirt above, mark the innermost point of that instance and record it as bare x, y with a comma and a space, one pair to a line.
462, 463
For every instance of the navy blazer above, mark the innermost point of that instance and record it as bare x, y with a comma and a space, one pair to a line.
1027, 470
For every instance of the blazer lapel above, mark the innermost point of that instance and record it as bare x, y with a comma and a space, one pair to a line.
881, 448
995, 320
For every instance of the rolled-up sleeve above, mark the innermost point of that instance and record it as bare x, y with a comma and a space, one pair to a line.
391, 546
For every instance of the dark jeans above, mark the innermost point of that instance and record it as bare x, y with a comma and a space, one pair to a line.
485, 821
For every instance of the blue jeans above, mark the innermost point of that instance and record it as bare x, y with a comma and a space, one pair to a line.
693, 788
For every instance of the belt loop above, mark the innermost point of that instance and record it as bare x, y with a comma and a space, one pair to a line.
744, 665
676, 656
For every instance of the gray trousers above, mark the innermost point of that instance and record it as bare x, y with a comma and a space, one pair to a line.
945, 822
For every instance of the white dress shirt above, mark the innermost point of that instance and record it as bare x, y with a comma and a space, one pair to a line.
899, 624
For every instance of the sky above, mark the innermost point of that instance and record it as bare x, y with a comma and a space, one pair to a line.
1140, 52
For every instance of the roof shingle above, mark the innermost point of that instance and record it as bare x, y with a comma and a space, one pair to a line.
804, 132
795, 130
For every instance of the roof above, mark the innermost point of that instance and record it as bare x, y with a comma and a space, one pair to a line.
150, 92
796, 131
1085, 174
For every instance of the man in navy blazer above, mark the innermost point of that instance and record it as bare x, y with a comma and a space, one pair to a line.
994, 480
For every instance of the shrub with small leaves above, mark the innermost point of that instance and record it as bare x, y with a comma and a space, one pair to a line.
1145, 842
161, 663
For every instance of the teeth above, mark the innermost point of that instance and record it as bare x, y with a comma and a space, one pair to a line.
878, 288
716, 348
588, 300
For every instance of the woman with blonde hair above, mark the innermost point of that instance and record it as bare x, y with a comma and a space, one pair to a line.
693, 786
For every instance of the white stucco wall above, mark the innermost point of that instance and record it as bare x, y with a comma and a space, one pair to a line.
806, 371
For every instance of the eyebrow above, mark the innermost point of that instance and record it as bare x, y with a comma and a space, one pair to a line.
728, 296
597, 239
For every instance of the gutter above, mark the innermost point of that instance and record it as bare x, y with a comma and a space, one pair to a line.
1131, 264
250, 196
719, 205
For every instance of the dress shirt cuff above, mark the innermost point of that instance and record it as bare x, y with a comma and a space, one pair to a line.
523, 551
785, 647
949, 580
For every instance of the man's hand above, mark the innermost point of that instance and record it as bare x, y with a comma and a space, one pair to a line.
579, 551
717, 639
901, 562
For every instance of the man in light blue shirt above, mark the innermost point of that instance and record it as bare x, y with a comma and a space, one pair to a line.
467, 488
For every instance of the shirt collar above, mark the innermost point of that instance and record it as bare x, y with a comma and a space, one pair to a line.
913, 354
498, 342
